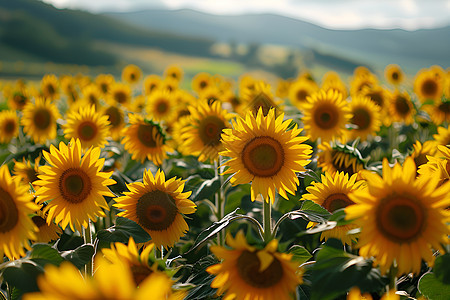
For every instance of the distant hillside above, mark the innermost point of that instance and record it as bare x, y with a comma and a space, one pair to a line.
411, 49
40, 30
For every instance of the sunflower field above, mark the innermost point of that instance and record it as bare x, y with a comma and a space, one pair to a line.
153, 186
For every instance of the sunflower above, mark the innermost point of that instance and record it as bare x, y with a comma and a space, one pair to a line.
87, 125
336, 157
401, 217
119, 94
325, 115
401, 108
201, 136
332, 81
249, 273
365, 116
300, 90
104, 82
422, 151
264, 153
73, 185
16, 227
158, 207
394, 74
151, 83
138, 104
212, 94
131, 74
175, 72
39, 120
360, 82
332, 194
437, 166
47, 230
116, 120
92, 94
145, 139
9, 126
18, 98
260, 96
282, 88
68, 86
428, 86
161, 106
201, 81
169, 84
438, 112
50, 86
25, 171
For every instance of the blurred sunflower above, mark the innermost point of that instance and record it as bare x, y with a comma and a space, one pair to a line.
332, 194
161, 106
138, 104
360, 82
175, 72
116, 120
401, 108
39, 120
438, 112
87, 125
104, 82
201, 81
366, 116
47, 230
92, 94
300, 90
50, 86
16, 227
264, 153
158, 206
325, 116
443, 136
131, 74
428, 86
335, 157
145, 139
119, 94
69, 88
332, 81
25, 171
282, 88
249, 273
260, 96
18, 99
212, 94
9, 126
401, 217
169, 84
201, 136
151, 83
73, 185
394, 74
422, 151
437, 166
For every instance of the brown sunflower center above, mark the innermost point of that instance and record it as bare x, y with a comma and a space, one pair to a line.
326, 117
395, 76
51, 89
336, 201
104, 87
203, 84
429, 88
248, 266
120, 97
262, 101
338, 161
146, 134
42, 118
377, 98
162, 106
156, 210
31, 174
10, 126
38, 221
133, 77
20, 100
420, 159
301, 95
9, 215
140, 273
401, 105
400, 219
361, 118
93, 99
263, 156
87, 130
444, 107
210, 129
75, 185
114, 116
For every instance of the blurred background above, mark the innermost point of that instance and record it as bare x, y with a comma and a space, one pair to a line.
273, 39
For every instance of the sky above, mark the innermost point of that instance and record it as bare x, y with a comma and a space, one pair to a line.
335, 14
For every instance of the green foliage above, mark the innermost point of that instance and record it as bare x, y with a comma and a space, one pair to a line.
433, 288
122, 231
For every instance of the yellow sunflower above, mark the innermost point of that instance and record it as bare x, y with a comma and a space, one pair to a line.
438, 112
175, 72
73, 185
335, 157
47, 230
264, 153
260, 96
119, 94
18, 98
39, 120
394, 74
300, 90
131, 74
92, 94
201, 81
332, 81
69, 88
16, 227
169, 84
428, 86
325, 116
158, 206
161, 106
9, 126
332, 194
138, 104
443, 136
437, 166
87, 125
282, 88
116, 120
104, 82
365, 116
422, 151
25, 171
50, 86
201, 136
152, 83
251, 274
212, 94
401, 218
401, 108
360, 82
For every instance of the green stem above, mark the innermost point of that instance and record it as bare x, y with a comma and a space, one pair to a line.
267, 220
392, 277
87, 235
219, 197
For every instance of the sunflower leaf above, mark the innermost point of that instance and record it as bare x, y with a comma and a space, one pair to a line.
80, 256
300, 254
44, 253
441, 269
206, 189
122, 231
23, 276
432, 288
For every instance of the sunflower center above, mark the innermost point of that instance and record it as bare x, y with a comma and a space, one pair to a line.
210, 129
429, 88
38, 221
140, 273
93, 99
338, 161
401, 105
51, 89
420, 159
145, 135
132, 76
120, 97
376, 98
162, 107
87, 130
20, 100
248, 266
400, 219
114, 116
301, 95
156, 210
75, 185
263, 156
262, 101
9, 127
326, 117
203, 84
42, 119
361, 118
336, 201
9, 215
31, 174
444, 107
104, 87
395, 76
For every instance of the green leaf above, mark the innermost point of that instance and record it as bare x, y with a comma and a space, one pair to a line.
122, 231
44, 253
433, 288
80, 256
23, 276
339, 217
300, 254
441, 268
206, 189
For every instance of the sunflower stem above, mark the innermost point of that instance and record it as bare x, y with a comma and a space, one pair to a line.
267, 220
219, 197
87, 235
392, 277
